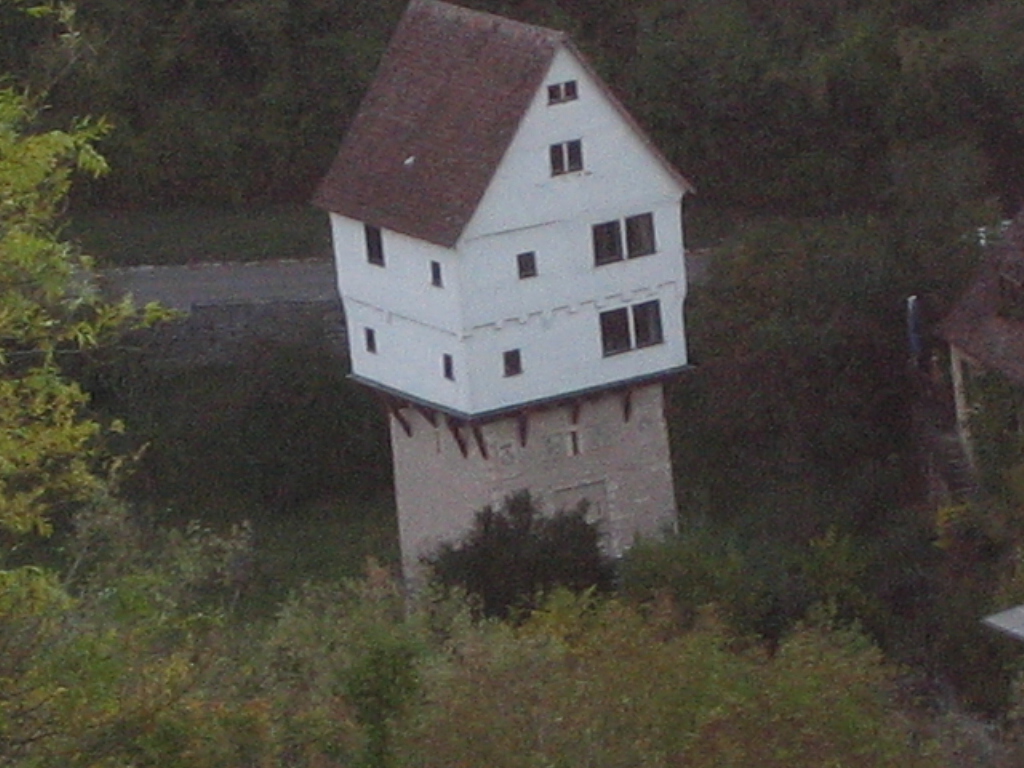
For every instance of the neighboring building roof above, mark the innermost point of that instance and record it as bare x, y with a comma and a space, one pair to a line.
976, 326
447, 100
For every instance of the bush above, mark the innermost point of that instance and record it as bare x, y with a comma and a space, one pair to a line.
514, 555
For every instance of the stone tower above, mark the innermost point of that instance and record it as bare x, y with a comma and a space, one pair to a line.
509, 252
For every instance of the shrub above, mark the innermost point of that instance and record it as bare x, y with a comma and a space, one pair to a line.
515, 554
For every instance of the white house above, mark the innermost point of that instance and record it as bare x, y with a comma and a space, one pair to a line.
509, 245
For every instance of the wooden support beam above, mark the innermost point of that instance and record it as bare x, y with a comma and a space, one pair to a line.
523, 425
481, 445
627, 404
393, 407
574, 413
428, 413
460, 440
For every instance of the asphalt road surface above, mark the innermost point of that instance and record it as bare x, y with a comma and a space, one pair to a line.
182, 287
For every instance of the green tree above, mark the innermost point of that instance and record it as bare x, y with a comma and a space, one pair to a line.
49, 309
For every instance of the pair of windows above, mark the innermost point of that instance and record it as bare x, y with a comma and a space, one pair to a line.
566, 157
610, 246
632, 327
559, 93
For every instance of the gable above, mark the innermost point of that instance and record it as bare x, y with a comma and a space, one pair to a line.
622, 172
446, 102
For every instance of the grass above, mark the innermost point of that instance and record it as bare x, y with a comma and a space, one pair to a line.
324, 541
284, 441
191, 235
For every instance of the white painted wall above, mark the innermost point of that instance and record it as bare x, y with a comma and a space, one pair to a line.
484, 307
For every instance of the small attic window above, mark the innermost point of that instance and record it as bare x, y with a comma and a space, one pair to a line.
562, 92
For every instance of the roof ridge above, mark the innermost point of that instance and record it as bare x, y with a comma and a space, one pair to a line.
501, 23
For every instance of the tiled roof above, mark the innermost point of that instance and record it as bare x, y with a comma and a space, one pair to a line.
976, 327
446, 102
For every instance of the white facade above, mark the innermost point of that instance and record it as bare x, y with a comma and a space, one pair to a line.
484, 309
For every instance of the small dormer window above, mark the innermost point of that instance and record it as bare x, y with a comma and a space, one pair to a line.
527, 264
374, 245
566, 157
562, 92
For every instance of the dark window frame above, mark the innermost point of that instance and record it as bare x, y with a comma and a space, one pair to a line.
616, 337
640, 235
374, 245
512, 359
559, 93
566, 157
448, 366
624, 329
607, 239
647, 328
370, 339
436, 277
526, 263
620, 239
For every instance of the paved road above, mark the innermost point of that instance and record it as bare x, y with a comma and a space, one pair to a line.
263, 282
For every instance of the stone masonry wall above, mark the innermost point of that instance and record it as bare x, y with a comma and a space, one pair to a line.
614, 455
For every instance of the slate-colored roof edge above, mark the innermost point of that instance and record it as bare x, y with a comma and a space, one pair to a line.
539, 403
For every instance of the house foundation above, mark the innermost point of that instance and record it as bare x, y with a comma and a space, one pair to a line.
610, 449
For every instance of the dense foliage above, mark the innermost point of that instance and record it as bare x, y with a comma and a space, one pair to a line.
805, 107
515, 555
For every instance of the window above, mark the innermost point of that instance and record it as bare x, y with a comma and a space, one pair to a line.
607, 242
513, 362
631, 328
370, 337
615, 332
374, 245
566, 157
639, 240
448, 367
647, 324
435, 274
562, 92
640, 235
527, 263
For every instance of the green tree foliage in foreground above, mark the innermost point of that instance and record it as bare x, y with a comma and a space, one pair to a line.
48, 309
